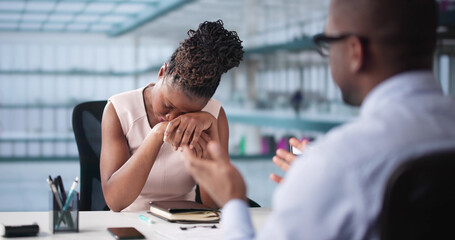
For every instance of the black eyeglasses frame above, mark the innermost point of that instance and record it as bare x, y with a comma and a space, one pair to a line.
323, 41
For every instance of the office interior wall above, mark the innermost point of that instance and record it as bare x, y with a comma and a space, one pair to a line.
43, 77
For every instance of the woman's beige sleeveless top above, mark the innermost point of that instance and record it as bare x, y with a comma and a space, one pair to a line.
168, 179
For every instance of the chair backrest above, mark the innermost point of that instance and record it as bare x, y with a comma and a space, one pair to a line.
419, 202
87, 130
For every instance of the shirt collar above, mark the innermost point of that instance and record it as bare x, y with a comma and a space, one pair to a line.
399, 86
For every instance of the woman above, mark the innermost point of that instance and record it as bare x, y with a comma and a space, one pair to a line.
144, 130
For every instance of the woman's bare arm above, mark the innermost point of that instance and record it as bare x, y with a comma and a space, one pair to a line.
123, 176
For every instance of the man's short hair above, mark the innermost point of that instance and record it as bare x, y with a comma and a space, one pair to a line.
409, 26
403, 29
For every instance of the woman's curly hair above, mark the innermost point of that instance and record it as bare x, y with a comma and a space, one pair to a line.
198, 63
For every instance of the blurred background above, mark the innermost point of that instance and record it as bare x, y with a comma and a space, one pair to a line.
55, 54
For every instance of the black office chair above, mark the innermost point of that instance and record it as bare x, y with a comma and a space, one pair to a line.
87, 130
419, 202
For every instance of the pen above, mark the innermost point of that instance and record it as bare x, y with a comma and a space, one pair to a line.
142, 217
67, 203
54, 191
70, 194
56, 195
60, 188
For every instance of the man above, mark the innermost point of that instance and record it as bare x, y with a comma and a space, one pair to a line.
381, 55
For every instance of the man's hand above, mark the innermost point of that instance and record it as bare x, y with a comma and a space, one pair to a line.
187, 128
217, 175
284, 159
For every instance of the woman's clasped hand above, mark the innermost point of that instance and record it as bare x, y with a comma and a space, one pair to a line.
192, 130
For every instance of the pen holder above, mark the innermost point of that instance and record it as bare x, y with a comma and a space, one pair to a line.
64, 220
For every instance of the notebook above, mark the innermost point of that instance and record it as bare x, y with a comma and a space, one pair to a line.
184, 212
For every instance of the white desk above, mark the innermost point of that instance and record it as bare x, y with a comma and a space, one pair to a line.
93, 225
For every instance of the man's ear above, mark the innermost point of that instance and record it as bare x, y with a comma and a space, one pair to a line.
162, 71
356, 54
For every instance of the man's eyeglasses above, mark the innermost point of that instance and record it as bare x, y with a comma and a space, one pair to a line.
323, 41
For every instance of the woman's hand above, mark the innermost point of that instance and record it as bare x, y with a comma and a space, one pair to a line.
187, 129
284, 159
200, 148
159, 129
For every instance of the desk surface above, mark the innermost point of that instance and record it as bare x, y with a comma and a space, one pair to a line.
93, 225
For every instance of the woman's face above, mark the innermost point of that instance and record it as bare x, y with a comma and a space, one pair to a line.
170, 101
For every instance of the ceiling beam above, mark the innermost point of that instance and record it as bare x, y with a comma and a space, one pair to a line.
37, 30
63, 12
151, 2
147, 15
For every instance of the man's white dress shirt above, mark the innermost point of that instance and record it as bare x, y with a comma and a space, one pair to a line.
335, 189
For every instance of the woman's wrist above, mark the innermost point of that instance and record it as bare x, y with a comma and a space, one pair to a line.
158, 131
156, 135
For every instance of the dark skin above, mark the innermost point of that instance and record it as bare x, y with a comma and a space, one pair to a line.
357, 68
123, 176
